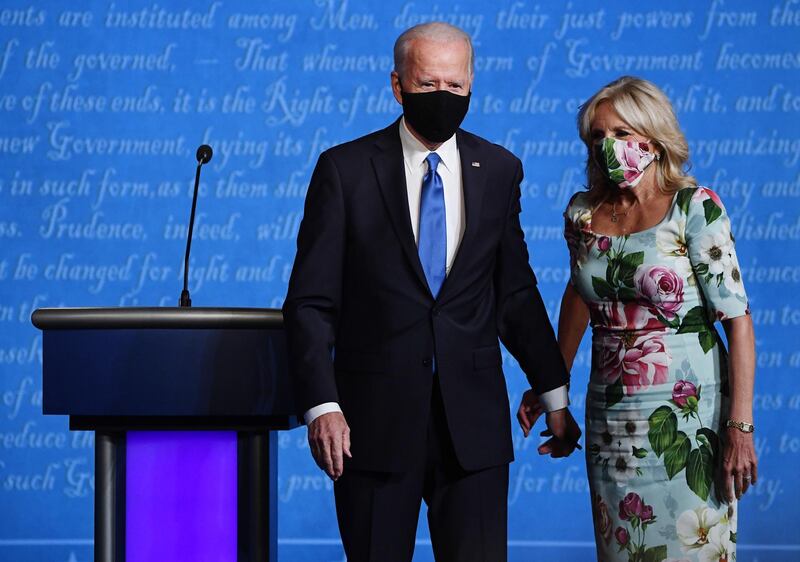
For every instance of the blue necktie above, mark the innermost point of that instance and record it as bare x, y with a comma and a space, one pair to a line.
433, 226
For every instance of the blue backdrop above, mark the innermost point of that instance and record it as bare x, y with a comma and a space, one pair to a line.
102, 106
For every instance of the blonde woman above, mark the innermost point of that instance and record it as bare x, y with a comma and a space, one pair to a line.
669, 411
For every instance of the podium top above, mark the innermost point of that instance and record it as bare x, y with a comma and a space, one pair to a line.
156, 317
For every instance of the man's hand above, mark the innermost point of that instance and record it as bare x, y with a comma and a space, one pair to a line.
564, 432
329, 439
529, 411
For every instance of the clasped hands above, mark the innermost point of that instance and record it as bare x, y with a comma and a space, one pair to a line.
562, 429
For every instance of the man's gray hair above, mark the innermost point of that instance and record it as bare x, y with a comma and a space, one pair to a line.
435, 31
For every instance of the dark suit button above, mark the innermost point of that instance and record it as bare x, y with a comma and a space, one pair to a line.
426, 362
435, 311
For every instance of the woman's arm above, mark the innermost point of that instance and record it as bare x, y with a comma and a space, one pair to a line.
572, 322
739, 460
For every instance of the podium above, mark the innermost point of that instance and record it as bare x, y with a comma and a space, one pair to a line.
184, 403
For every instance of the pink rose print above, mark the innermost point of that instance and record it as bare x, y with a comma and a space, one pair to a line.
682, 391
609, 361
622, 536
660, 287
579, 237
644, 363
630, 506
640, 361
647, 514
604, 243
633, 506
704, 193
630, 154
602, 518
618, 315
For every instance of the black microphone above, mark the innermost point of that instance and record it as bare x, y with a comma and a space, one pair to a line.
204, 153
203, 156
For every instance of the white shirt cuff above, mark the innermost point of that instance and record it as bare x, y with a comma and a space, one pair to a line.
317, 411
556, 399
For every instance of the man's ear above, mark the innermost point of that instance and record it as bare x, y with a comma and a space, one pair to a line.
397, 89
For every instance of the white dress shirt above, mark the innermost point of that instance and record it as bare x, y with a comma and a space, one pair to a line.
449, 169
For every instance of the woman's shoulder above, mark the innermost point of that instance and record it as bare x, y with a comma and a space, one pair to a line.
579, 202
698, 199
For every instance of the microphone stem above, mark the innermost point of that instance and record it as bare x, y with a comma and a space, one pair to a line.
186, 301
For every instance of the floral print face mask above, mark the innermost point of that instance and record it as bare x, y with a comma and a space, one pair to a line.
623, 161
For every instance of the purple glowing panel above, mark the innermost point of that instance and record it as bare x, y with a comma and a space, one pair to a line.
181, 496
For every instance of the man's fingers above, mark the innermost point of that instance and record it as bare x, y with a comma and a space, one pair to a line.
313, 444
522, 418
317, 456
346, 443
329, 441
326, 450
546, 433
527, 417
337, 459
531, 418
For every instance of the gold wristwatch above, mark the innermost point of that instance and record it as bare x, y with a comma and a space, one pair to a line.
741, 426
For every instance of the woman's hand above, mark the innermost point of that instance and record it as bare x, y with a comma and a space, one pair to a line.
529, 411
739, 463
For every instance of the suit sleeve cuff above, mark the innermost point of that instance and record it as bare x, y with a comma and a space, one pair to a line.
317, 411
556, 399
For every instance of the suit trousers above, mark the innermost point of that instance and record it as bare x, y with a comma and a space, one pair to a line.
467, 511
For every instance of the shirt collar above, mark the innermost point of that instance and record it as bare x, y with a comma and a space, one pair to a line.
414, 152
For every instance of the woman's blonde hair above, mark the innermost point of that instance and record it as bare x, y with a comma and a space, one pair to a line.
643, 106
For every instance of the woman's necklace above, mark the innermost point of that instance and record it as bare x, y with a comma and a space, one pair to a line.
615, 215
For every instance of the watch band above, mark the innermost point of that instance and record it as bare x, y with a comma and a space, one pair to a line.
741, 426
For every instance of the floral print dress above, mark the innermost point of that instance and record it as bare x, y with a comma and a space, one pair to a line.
658, 393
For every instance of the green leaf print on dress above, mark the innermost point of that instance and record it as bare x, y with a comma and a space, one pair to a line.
698, 459
696, 321
677, 454
663, 429
700, 471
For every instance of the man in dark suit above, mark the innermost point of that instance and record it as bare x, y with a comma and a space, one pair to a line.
410, 263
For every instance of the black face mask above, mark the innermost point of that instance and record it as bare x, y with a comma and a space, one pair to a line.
435, 115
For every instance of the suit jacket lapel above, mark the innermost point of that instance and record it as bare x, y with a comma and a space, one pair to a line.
390, 171
473, 180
